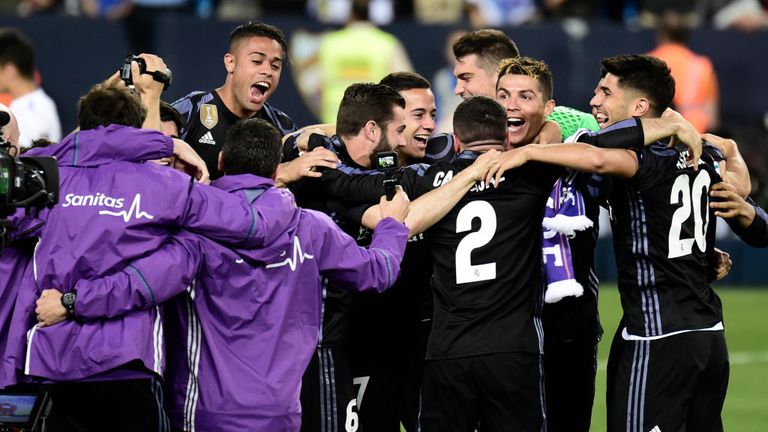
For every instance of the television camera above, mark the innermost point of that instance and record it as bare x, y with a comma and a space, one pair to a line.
25, 181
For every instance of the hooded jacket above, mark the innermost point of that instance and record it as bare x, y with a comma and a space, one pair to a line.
243, 333
109, 213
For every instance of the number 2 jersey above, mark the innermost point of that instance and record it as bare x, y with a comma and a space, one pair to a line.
663, 231
487, 281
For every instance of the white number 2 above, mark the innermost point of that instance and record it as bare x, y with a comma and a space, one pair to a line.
465, 271
681, 194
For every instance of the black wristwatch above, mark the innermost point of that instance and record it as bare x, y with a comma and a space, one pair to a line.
68, 300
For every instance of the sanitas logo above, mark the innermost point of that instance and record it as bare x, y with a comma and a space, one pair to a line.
101, 200
98, 200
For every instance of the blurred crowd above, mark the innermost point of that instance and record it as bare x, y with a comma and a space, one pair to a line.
746, 15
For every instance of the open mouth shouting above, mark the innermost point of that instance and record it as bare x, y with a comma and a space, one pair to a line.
259, 91
515, 123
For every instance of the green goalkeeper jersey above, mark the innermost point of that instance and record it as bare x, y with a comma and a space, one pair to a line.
570, 120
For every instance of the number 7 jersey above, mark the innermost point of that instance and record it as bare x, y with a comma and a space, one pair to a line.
663, 232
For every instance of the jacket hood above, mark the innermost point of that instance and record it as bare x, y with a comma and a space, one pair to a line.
275, 207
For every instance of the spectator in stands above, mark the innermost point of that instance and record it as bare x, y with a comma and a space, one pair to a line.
496, 13
698, 96
360, 52
34, 109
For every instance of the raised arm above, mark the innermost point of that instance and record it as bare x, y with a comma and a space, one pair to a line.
375, 268
578, 156
429, 208
738, 172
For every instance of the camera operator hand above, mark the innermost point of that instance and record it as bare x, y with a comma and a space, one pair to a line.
188, 161
396, 208
148, 88
49, 309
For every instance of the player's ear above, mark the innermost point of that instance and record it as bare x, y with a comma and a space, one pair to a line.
549, 107
229, 62
371, 131
220, 162
640, 107
457, 144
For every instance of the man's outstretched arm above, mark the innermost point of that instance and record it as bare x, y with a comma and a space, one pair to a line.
142, 284
578, 156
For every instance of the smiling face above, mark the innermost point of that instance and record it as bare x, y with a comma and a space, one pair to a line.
471, 79
253, 68
392, 138
420, 114
612, 103
526, 107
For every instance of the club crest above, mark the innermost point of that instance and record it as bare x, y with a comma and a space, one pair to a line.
209, 115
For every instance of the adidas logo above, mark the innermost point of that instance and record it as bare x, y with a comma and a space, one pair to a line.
207, 139
655, 429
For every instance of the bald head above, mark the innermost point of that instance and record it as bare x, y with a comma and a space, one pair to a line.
11, 130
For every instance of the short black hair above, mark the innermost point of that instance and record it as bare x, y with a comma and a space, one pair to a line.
400, 81
15, 48
490, 46
648, 75
527, 66
364, 102
169, 113
480, 118
251, 146
252, 29
106, 104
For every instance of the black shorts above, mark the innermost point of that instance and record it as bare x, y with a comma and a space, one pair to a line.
670, 384
133, 405
387, 381
328, 402
494, 392
569, 373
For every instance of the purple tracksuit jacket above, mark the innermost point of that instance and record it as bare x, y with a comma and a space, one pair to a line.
243, 333
109, 213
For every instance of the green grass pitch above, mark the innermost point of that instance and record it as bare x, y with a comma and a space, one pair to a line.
746, 328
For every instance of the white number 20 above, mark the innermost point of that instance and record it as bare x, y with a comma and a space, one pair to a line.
465, 271
692, 197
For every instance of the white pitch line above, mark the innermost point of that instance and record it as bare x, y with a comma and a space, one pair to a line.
736, 358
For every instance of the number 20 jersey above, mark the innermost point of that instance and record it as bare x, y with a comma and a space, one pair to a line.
487, 257
663, 230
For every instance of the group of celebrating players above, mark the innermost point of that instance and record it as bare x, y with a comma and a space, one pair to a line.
255, 314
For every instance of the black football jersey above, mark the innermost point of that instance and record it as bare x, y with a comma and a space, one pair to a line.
311, 194
487, 261
663, 231
207, 120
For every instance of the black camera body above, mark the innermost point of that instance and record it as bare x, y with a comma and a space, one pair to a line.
31, 182
25, 182
386, 162
127, 76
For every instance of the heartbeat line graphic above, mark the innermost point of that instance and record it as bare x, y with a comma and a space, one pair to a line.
135, 209
298, 255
